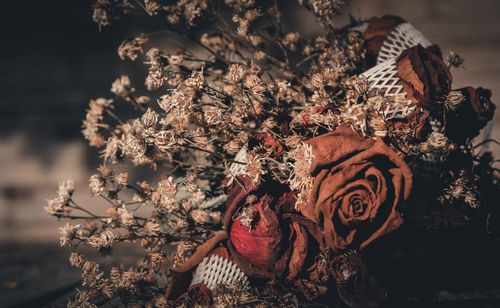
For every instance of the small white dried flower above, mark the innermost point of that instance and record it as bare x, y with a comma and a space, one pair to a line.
135, 147
199, 216
255, 86
68, 233
454, 99
152, 228
152, 7
165, 141
378, 126
184, 251
97, 184
247, 216
300, 176
66, 189
56, 207
435, 141
122, 179
76, 259
132, 48
175, 60
235, 74
155, 78
122, 87
126, 218
102, 240
213, 115
149, 118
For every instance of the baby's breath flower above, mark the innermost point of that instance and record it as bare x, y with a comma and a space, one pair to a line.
75, 259
149, 118
57, 207
175, 60
122, 87
300, 178
290, 40
213, 115
111, 214
132, 48
122, 179
165, 141
247, 217
96, 185
436, 141
196, 80
152, 7
135, 147
110, 152
126, 218
254, 168
66, 189
160, 301
326, 8
268, 124
378, 126
259, 55
184, 251
115, 275
235, 74
152, 228
101, 16
104, 170
454, 99
199, 216
155, 78
255, 86
68, 233
102, 240
233, 147
165, 195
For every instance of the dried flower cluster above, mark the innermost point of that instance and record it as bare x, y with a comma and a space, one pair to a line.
278, 131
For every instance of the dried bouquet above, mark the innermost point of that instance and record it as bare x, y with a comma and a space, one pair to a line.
285, 170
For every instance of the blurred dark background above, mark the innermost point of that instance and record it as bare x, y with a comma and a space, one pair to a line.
54, 59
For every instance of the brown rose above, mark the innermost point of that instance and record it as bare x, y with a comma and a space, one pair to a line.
358, 186
471, 115
424, 76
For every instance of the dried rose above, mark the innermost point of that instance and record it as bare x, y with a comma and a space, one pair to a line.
424, 76
276, 245
358, 187
471, 115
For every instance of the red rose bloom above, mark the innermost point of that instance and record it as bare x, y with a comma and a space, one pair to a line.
275, 244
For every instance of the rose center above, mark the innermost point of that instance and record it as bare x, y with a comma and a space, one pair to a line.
357, 205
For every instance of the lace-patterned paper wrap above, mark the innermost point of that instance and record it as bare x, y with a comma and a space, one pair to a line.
388, 36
